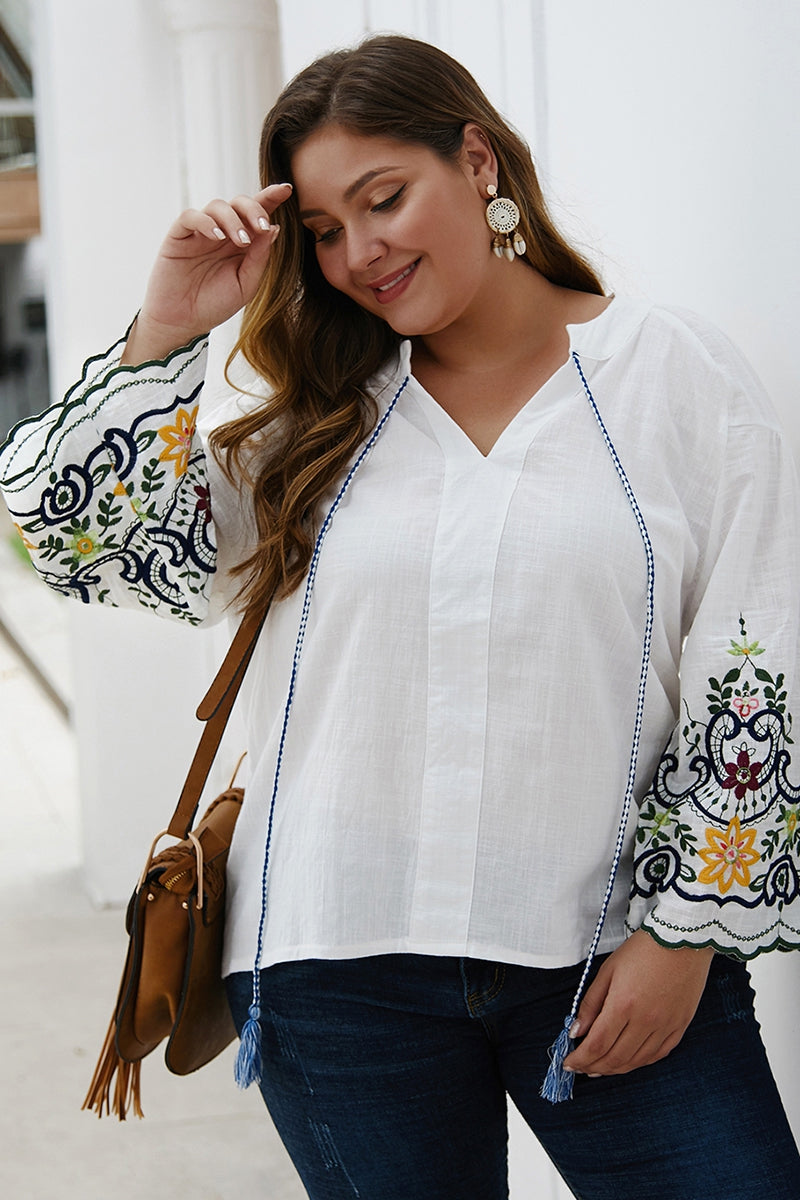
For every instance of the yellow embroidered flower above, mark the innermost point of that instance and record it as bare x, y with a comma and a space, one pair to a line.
745, 649
179, 439
729, 856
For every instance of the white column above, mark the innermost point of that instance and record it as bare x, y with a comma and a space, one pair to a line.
228, 54
126, 140
229, 59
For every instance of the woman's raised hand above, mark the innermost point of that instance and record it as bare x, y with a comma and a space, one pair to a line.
209, 266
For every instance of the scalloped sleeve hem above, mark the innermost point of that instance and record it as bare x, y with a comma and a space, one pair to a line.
109, 492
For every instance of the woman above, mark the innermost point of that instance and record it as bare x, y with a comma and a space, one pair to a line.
519, 537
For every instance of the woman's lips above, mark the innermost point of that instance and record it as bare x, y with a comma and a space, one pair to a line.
393, 286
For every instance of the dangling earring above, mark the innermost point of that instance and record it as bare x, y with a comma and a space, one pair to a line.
502, 217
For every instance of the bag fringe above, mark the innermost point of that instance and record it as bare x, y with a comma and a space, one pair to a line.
116, 1084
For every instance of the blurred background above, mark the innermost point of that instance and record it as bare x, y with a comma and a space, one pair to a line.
666, 139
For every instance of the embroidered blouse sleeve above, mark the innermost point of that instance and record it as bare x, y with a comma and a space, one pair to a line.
108, 490
717, 848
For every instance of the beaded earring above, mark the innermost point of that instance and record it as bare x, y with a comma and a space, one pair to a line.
502, 217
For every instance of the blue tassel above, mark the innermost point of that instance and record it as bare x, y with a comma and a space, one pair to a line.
248, 1060
557, 1084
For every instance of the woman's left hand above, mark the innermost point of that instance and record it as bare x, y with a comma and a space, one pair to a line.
638, 1007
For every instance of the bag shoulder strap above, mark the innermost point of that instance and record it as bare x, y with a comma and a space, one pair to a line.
214, 709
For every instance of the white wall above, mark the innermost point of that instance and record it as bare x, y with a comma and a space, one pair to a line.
671, 138
672, 144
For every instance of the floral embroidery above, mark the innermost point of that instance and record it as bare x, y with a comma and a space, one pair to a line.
745, 699
742, 774
85, 544
120, 520
782, 884
179, 440
748, 649
725, 779
729, 856
203, 502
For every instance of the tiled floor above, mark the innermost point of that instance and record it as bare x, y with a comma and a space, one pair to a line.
60, 961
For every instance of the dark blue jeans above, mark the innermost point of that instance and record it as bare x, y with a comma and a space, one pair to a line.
386, 1078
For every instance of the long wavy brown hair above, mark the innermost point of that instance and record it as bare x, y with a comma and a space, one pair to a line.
315, 347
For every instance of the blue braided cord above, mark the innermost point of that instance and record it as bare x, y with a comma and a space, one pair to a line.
553, 1088
301, 633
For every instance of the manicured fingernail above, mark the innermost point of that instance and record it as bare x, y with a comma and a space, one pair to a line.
598, 1076
574, 1029
570, 1070
263, 223
218, 233
244, 237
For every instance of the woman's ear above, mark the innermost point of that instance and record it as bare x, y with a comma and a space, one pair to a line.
478, 157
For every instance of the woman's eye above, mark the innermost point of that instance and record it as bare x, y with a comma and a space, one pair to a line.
327, 236
390, 203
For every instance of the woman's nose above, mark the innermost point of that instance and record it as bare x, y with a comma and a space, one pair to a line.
363, 249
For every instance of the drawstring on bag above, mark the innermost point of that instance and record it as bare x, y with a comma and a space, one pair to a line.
248, 1061
557, 1084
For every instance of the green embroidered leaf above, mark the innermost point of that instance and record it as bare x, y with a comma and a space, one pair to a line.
109, 513
763, 675
732, 675
153, 475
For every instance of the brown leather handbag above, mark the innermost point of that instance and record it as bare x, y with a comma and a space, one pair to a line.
172, 981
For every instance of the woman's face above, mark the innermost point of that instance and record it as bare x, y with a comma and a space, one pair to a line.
397, 228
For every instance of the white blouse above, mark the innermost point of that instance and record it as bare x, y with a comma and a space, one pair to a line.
460, 735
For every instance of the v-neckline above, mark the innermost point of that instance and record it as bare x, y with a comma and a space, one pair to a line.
515, 435
455, 436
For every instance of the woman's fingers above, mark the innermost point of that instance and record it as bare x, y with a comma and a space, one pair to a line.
273, 196
245, 217
638, 1007
626, 1047
237, 221
208, 268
